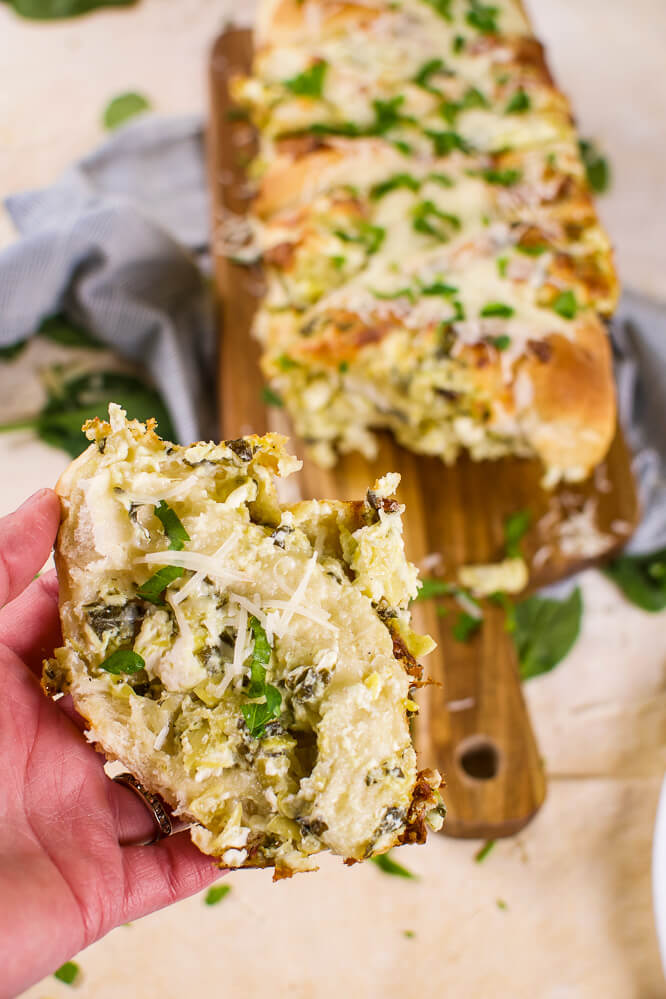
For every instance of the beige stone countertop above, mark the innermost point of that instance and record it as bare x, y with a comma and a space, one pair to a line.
577, 922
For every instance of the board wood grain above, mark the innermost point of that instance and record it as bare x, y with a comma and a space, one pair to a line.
473, 724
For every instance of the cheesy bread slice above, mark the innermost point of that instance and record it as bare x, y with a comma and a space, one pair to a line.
251, 663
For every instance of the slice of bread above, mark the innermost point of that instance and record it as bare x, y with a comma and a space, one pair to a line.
251, 663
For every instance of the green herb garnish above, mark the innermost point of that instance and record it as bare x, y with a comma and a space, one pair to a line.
393, 183
466, 626
438, 288
409, 934
597, 169
53, 10
516, 526
343, 367
271, 397
545, 631
426, 219
503, 178
483, 17
502, 264
432, 588
387, 865
59, 330
501, 904
481, 854
123, 661
533, 250
216, 894
309, 83
458, 44
258, 714
407, 293
124, 107
369, 236
565, 305
501, 342
519, 103
499, 309
172, 525
441, 7
642, 579
440, 178
67, 972
154, 587
428, 70
446, 142
286, 363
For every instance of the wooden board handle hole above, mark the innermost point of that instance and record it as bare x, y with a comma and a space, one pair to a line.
478, 758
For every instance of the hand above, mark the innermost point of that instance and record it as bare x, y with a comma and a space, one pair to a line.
66, 878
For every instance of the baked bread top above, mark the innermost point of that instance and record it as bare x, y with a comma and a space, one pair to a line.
251, 663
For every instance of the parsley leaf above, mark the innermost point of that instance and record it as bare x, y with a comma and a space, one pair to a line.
173, 528
545, 631
286, 363
387, 865
154, 587
439, 288
309, 83
392, 184
501, 342
483, 18
466, 627
519, 103
53, 10
123, 661
458, 44
497, 309
271, 397
428, 70
482, 853
124, 107
516, 526
441, 7
446, 142
67, 972
432, 588
642, 579
258, 714
597, 169
215, 894
426, 219
440, 178
531, 249
504, 178
565, 305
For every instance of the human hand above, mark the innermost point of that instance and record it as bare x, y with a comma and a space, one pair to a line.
66, 875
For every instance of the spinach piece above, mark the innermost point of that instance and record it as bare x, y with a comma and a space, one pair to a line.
565, 305
642, 579
597, 169
516, 526
122, 108
123, 661
258, 715
67, 972
387, 865
172, 525
446, 142
466, 627
83, 397
497, 309
502, 342
392, 184
441, 7
483, 17
519, 103
52, 10
432, 588
154, 587
271, 397
215, 894
545, 631
309, 83
428, 70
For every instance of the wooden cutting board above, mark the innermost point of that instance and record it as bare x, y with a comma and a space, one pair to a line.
473, 725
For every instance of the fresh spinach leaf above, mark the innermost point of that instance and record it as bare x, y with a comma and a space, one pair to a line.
123, 661
387, 865
466, 626
519, 103
642, 579
258, 714
122, 108
67, 972
433, 588
309, 83
566, 305
545, 631
154, 587
172, 525
215, 894
52, 10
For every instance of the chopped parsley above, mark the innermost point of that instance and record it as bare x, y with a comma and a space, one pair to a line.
215, 894
502, 264
123, 661
481, 854
440, 178
483, 17
343, 367
286, 363
446, 142
499, 309
271, 397
439, 288
441, 7
393, 183
545, 631
338, 262
565, 305
387, 115
502, 342
407, 293
597, 169
258, 714
427, 218
519, 103
531, 250
154, 587
427, 71
433, 588
458, 44
173, 528
501, 904
369, 236
309, 83
465, 627
516, 526
642, 579
409, 934
387, 865
67, 972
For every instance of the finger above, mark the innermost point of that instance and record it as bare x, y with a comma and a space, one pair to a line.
134, 822
30, 625
159, 875
26, 539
